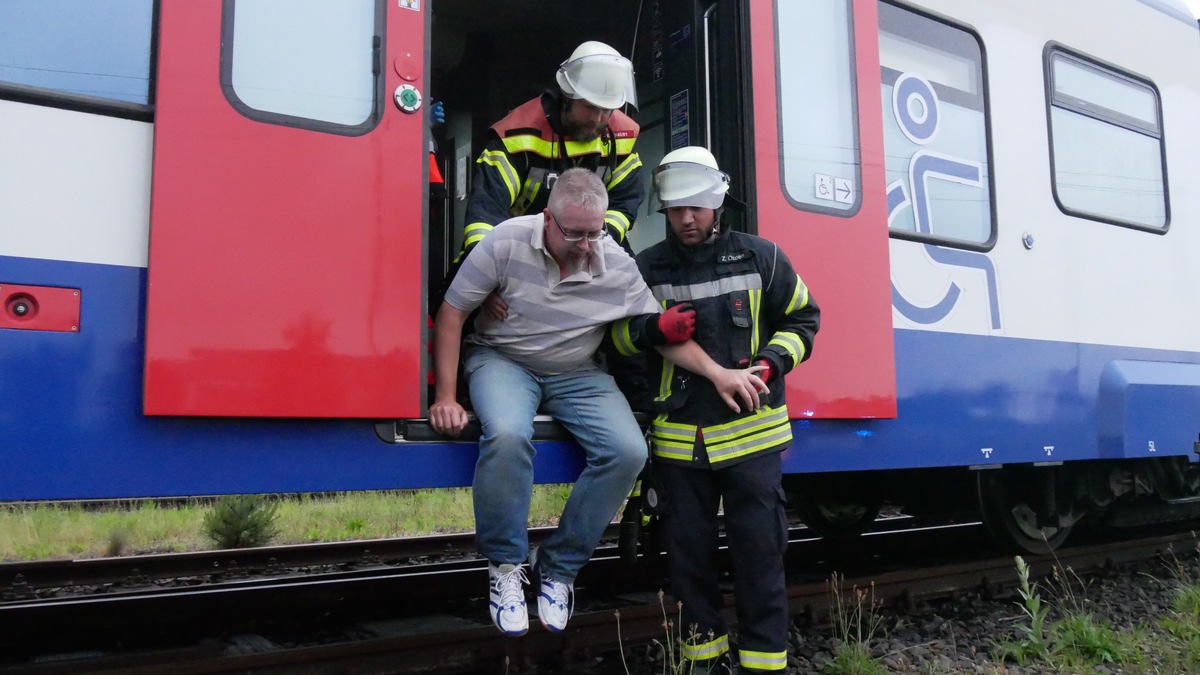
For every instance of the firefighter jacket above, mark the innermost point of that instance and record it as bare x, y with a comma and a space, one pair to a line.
528, 151
750, 305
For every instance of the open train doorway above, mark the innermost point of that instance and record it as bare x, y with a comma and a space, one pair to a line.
487, 61
688, 66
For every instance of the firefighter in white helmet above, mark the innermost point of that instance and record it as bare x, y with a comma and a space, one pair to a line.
752, 311
576, 124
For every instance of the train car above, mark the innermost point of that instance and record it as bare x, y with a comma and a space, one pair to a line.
218, 243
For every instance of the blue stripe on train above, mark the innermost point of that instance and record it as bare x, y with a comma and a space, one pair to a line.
969, 400
71, 423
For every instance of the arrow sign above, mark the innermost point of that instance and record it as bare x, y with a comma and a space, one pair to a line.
843, 190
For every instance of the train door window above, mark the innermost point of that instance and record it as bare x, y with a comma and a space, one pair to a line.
820, 152
98, 50
305, 63
1106, 143
935, 131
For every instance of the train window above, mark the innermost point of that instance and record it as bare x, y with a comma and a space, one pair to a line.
820, 153
935, 131
305, 63
90, 49
1106, 143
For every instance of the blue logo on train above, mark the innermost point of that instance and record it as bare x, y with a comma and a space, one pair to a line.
917, 111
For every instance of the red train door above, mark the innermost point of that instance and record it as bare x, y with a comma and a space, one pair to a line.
819, 191
787, 96
286, 264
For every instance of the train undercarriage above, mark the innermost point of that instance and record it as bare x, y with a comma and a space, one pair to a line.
1030, 509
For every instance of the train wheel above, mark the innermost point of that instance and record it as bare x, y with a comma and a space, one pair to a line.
833, 511
1008, 501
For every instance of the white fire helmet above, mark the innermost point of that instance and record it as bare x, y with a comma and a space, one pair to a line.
599, 75
690, 177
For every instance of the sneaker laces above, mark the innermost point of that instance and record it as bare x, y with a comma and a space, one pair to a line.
561, 595
510, 587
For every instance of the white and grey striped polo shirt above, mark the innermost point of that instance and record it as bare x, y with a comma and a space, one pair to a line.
553, 326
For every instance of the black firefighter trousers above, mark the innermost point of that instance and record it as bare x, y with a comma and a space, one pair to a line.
756, 528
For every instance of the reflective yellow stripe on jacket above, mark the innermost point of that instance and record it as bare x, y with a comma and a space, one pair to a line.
621, 337
499, 161
475, 232
549, 149
617, 221
788, 341
762, 430
623, 169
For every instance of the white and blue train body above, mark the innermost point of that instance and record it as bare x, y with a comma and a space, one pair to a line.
218, 241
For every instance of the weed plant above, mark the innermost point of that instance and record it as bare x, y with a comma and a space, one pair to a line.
856, 621
1033, 643
1072, 641
1182, 624
242, 521
671, 648
668, 653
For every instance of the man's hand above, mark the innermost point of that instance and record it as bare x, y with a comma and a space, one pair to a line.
678, 323
730, 383
447, 418
495, 306
743, 384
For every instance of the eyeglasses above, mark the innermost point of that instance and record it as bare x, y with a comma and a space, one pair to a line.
592, 237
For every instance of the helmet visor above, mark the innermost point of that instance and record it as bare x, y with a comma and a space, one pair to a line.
690, 184
604, 80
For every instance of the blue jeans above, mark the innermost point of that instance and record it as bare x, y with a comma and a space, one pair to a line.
506, 397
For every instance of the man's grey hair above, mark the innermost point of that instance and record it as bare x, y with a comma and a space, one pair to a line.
578, 187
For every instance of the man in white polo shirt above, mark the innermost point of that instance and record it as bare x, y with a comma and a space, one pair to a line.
565, 284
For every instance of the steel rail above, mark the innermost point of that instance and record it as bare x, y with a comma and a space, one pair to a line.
449, 644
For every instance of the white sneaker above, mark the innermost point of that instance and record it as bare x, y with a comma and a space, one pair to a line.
555, 599
506, 584
555, 604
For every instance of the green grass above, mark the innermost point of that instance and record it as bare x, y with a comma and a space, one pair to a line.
1064, 637
1053, 633
1059, 635
47, 531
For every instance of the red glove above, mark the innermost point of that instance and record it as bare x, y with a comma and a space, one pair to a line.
766, 373
677, 323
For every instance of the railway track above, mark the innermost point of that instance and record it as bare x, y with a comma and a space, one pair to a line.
32, 580
428, 615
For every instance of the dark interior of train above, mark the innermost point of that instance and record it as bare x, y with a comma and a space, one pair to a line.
494, 56
489, 57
